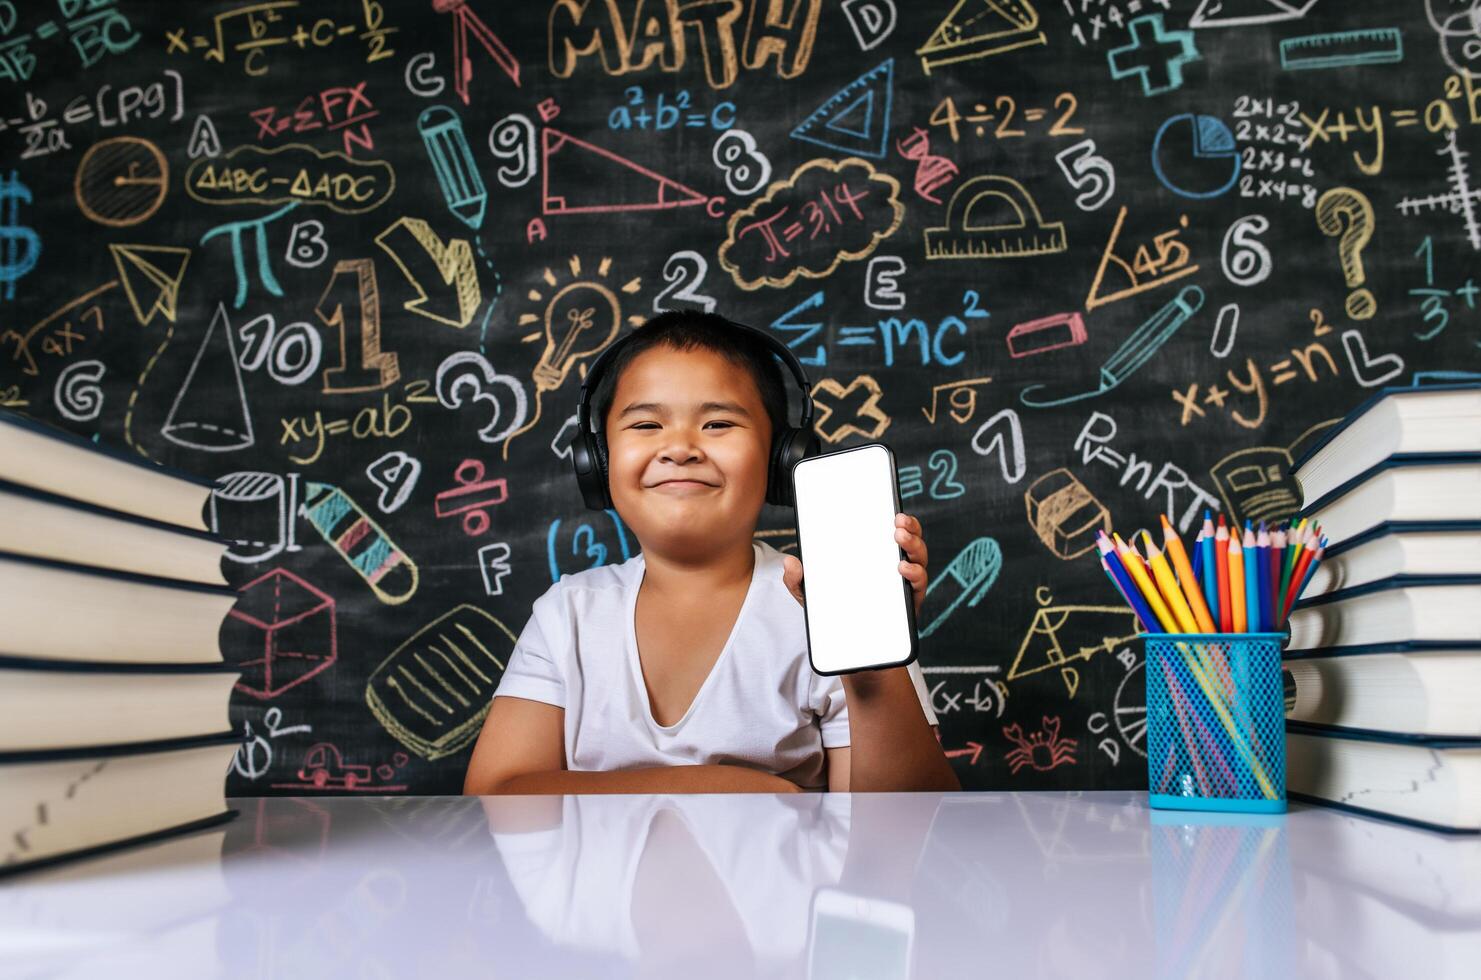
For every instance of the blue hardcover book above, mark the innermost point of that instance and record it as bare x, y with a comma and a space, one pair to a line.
1402, 688
65, 611
49, 458
78, 802
1399, 548
1429, 782
48, 525
1442, 490
1402, 609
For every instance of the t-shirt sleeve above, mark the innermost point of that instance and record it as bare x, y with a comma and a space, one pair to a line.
536, 667
831, 706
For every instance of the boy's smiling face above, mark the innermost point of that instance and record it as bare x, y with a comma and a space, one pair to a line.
688, 444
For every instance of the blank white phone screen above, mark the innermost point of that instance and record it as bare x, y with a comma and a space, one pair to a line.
855, 597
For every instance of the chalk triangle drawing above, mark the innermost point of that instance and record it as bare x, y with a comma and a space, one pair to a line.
581, 178
857, 118
151, 272
980, 29
1242, 13
210, 411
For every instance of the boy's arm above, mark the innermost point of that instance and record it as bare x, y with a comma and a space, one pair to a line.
659, 779
891, 745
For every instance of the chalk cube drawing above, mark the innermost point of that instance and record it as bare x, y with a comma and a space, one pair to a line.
432, 692
290, 628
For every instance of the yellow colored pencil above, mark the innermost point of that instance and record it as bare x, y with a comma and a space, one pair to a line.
1236, 583
1171, 593
1173, 546
1133, 562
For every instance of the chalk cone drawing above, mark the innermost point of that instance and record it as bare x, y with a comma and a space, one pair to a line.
210, 411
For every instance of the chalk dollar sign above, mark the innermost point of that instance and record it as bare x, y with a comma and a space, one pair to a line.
20, 246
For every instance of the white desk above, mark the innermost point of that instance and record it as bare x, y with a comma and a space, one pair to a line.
1077, 885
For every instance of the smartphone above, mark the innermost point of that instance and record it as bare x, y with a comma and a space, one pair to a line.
857, 605
853, 936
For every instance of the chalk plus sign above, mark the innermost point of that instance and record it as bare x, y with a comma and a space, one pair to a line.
1153, 51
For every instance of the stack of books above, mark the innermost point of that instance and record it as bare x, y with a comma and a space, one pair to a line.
114, 723
1385, 645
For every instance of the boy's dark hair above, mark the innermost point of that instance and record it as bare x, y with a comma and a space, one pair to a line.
686, 330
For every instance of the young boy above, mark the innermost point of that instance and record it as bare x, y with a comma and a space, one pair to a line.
685, 668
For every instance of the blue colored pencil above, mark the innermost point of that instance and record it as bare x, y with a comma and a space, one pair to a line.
1251, 580
1111, 562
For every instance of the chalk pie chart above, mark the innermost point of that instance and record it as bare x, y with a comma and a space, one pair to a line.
1195, 156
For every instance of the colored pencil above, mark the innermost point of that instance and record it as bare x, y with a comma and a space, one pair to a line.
1197, 559
1277, 559
1210, 574
1300, 577
1316, 559
1251, 580
1112, 564
1262, 558
1238, 598
1167, 583
1187, 576
1221, 561
1143, 580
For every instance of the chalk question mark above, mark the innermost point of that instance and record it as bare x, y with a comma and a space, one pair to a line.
1330, 208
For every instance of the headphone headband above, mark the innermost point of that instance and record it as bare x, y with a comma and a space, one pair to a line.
605, 358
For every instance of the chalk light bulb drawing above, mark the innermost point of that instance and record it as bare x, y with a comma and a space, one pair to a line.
579, 321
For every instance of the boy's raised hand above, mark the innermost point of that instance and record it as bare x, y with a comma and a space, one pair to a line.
907, 535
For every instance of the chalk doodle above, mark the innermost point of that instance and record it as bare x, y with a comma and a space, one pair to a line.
856, 120
200, 418
290, 626
432, 691
971, 233
1135, 351
452, 161
1148, 56
1043, 750
1194, 155
1044, 646
77, 394
856, 403
293, 173
389, 572
151, 276
121, 181
980, 29
1168, 260
825, 213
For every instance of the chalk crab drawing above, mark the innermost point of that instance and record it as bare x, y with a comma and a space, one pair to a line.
1044, 749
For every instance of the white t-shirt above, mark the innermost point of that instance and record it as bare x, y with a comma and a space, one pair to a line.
762, 706
576, 879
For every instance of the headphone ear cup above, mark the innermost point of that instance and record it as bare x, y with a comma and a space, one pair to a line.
604, 487
589, 460
792, 446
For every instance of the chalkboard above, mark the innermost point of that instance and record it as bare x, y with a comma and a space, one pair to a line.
1079, 263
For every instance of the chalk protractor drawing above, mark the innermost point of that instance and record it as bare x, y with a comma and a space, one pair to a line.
857, 118
581, 177
973, 232
980, 29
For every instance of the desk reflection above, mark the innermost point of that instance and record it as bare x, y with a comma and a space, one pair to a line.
813, 886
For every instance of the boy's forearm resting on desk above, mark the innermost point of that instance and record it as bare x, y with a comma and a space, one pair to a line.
659, 779
892, 747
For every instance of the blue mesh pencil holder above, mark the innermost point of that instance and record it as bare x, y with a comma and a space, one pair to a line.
1216, 726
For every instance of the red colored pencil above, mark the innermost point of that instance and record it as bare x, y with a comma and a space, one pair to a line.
1298, 577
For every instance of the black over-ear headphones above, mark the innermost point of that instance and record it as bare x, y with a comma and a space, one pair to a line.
789, 444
